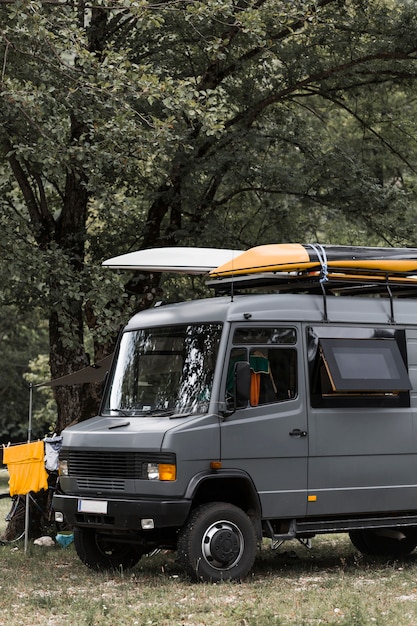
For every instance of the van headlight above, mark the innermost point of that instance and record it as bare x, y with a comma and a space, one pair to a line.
161, 471
63, 467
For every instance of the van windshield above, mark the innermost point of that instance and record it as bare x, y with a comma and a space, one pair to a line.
164, 371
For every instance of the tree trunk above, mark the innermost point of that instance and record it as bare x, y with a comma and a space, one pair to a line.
74, 402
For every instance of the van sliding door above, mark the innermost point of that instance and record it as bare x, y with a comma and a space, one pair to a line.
361, 424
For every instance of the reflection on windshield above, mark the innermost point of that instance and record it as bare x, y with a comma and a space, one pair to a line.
164, 371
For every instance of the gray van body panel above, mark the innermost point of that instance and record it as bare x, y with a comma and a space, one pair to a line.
363, 460
350, 461
194, 440
257, 439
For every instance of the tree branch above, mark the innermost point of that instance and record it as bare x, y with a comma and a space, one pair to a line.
214, 76
37, 208
249, 116
362, 122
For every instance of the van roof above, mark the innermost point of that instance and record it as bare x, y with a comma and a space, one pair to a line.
281, 307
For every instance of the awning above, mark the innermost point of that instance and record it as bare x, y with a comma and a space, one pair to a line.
90, 374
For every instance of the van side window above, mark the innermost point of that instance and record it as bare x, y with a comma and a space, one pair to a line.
273, 363
357, 371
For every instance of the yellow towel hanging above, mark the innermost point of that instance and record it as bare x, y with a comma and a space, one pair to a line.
26, 466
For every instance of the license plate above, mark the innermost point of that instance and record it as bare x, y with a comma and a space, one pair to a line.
92, 506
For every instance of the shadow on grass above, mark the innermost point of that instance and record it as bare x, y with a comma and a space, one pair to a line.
328, 555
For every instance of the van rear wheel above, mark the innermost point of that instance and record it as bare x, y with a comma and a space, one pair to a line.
104, 553
391, 542
218, 543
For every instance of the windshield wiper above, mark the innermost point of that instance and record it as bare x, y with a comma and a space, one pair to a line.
141, 412
160, 412
119, 425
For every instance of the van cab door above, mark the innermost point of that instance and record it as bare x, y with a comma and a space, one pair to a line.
267, 436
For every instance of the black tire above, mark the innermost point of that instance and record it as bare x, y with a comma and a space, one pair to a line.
390, 542
15, 529
217, 543
358, 540
100, 553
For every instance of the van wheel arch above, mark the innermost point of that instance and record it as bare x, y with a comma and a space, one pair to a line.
234, 487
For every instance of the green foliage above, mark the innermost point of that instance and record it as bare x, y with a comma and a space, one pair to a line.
23, 336
215, 123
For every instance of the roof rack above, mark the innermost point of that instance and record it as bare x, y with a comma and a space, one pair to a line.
373, 283
337, 282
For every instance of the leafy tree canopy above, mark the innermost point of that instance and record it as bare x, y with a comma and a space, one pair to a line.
23, 337
228, 123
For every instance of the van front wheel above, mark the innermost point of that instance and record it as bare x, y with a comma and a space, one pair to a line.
390, 542
218, 543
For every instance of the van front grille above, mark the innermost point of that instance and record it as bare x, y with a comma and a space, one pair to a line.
101, 484
112, 465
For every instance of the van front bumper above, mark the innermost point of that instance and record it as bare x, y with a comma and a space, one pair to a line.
121, 514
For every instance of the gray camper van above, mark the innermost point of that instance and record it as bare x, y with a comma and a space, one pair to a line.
234, 418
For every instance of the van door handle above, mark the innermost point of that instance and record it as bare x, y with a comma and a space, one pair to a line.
298, 433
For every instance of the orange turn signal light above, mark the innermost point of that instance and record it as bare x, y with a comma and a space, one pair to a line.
167, 471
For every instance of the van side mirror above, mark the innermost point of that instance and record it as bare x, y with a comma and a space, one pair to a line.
242, 384
239, 397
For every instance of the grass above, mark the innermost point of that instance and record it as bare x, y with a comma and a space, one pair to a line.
331, 584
